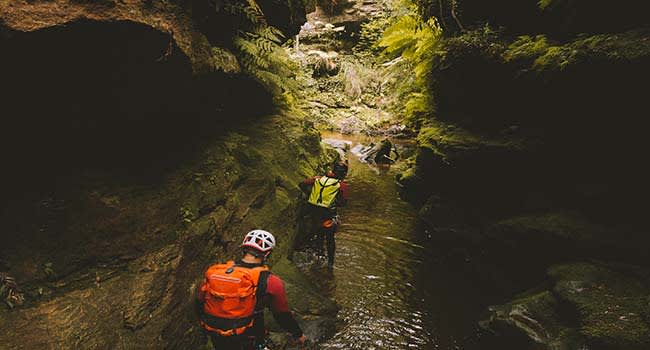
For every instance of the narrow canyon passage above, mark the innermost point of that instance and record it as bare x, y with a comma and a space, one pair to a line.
396, 286
142, 139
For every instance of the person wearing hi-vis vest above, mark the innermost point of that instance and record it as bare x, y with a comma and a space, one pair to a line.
327, 193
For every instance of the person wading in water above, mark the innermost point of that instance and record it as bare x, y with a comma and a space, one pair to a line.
326, 194
380, 153
233, 297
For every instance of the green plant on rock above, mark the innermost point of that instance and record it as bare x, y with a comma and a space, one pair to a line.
372, 31
186, 214
418, 43
262, 57
526, 47
548, 4
258, 49
539, 54
48, 270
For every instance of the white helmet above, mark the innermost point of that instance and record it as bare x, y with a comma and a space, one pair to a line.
261, 240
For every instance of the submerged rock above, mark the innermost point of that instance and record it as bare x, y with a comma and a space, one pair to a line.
612, 303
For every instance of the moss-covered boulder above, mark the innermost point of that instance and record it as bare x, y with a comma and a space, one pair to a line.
453, 165
550, 238
539, 315
612, 303
587, 305
316, 312
508, 115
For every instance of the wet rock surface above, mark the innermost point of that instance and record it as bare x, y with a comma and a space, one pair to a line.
168, 18
588, 305
505, 161
144, 170
119, 281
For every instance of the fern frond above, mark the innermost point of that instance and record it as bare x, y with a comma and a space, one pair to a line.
262, 58
418, 43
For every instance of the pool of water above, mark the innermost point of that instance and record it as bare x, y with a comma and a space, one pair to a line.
397, 288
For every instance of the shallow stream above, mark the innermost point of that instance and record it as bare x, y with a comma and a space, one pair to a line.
396, 289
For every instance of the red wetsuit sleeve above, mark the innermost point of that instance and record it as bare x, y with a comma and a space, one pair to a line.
310, 180
275, 288
345, 193
280, 306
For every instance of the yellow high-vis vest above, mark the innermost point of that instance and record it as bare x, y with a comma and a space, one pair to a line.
324, 192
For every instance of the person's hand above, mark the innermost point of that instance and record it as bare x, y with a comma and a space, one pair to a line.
300, 341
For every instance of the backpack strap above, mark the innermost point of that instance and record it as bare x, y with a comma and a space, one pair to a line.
323, 186
260, 293
326, 179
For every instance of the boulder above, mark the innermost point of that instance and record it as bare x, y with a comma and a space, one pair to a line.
590, 305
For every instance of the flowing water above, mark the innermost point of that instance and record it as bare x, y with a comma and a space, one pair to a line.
395, 288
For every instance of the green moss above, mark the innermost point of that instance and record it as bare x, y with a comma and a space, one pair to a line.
540, 54
537, 313
483, 42
547, 4
563, 225
611, 306
302, 293
526, 47
612, 303
442, 139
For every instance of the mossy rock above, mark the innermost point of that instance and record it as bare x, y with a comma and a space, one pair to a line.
587, 305
303, 294
538, 314
612, 303
560, 234
316, 313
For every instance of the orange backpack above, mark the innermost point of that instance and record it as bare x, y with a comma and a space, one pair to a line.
230, 298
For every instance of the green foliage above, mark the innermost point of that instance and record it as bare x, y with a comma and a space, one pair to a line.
259, 51
548, 4
262, 57
482, 42
248, 9
526, 47
186, 214
417, 43
372, 31
540, 54
48, 270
